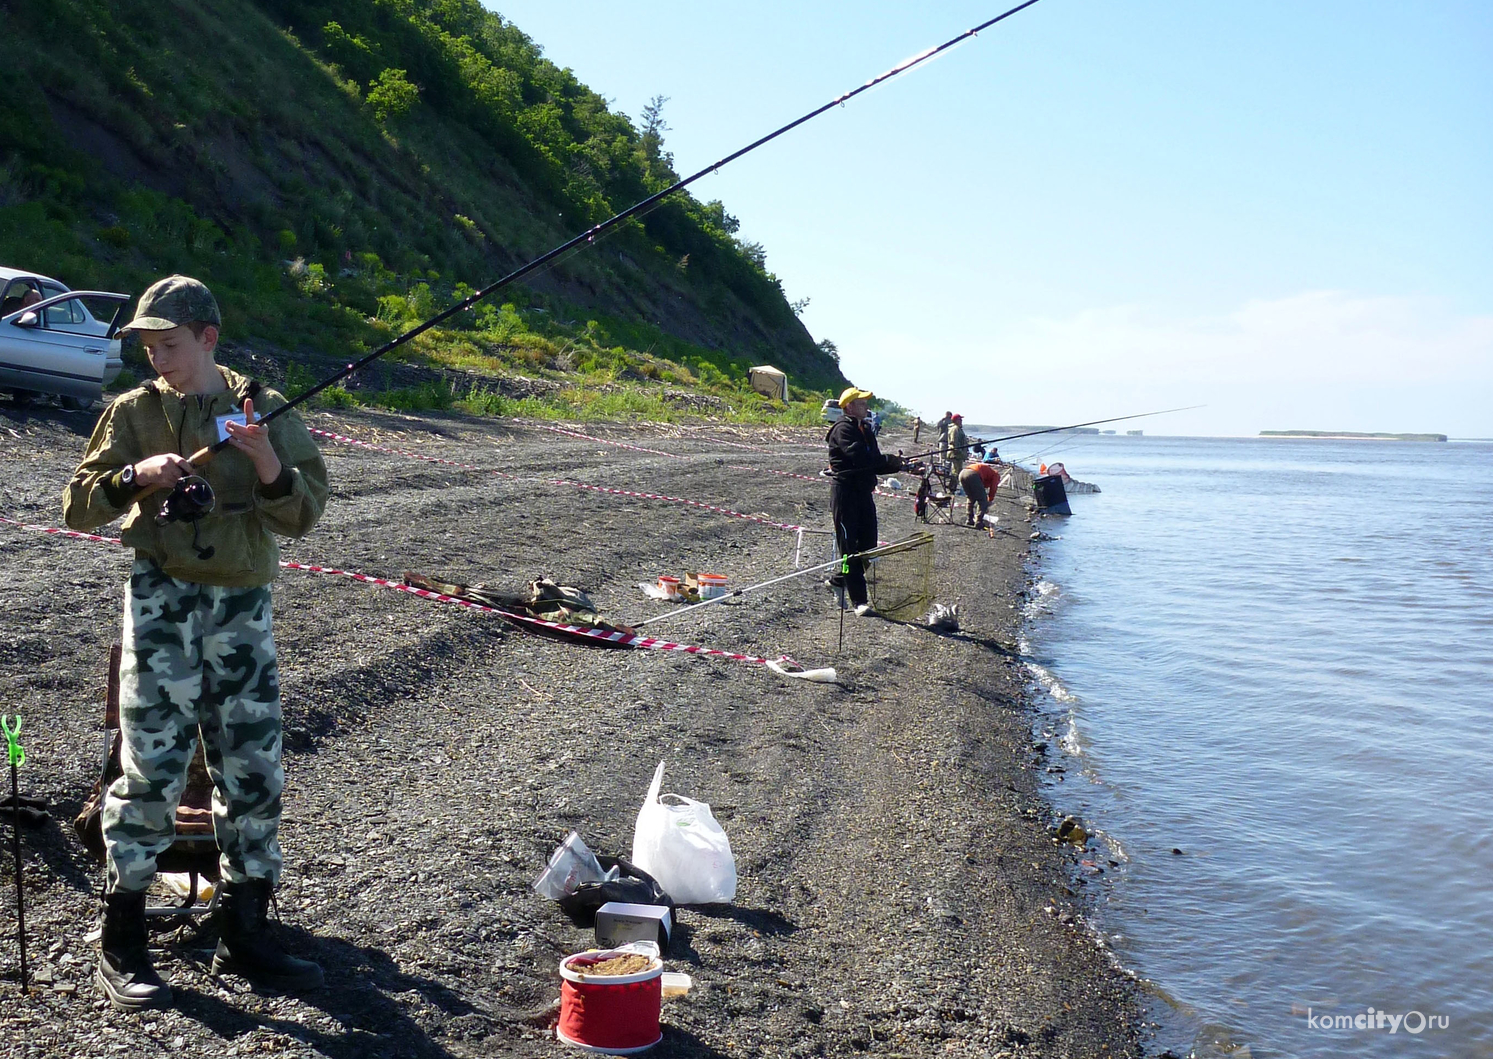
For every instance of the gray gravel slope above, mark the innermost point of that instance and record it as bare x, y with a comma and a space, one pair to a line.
898, 876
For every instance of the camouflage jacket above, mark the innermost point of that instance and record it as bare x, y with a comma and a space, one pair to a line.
155, 418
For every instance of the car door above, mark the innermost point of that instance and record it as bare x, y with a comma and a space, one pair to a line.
56, 346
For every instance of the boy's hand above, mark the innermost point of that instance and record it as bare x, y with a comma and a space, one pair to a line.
254, 441
163, 471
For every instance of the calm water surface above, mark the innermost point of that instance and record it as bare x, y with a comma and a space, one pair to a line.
1277, 657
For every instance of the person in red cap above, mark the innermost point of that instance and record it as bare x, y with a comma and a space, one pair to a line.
854, 462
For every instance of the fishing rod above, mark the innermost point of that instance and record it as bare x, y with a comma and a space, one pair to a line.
839, 560
743, 591
590, 235
971, 442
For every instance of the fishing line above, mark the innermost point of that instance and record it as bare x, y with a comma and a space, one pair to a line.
1044, 451
972, 442
597, 231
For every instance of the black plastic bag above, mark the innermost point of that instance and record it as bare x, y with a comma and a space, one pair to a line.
634, 886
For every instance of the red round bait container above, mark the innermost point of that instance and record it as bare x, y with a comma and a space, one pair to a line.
611, 1014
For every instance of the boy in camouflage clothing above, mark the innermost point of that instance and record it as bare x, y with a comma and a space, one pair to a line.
198, 649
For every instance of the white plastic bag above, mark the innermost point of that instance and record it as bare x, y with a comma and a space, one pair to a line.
679, 843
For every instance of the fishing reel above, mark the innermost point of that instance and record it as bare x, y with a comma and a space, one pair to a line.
191, 499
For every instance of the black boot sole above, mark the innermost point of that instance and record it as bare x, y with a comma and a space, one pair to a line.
123, 1002
306, 983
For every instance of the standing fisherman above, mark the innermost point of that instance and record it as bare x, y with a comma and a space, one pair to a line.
941, 428
198, 650
958, 446
854, 462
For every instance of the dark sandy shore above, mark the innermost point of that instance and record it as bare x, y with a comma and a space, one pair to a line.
900, 889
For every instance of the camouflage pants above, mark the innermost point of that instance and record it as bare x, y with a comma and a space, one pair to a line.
195, 656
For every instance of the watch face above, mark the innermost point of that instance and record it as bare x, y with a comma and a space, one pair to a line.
127, 476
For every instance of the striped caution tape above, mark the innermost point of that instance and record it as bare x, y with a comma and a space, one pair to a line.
815, 478
606, 441
790, 527
56, 531
616, 636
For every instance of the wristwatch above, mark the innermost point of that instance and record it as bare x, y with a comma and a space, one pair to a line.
127, 476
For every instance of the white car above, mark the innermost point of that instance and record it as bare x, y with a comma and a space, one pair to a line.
57, 341
831, 411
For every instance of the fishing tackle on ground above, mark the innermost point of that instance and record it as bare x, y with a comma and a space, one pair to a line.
591, 235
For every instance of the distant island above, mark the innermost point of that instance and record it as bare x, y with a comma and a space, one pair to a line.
1349, 435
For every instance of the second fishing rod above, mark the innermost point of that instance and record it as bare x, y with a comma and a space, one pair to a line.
591, 235
972, 442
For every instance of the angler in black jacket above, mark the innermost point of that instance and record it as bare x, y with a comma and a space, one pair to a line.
854, 462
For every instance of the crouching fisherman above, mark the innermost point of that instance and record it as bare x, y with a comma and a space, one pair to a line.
854, 462
198, 647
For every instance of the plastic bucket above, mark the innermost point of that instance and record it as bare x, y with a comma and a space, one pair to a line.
670, 586
609, 1014
712, 586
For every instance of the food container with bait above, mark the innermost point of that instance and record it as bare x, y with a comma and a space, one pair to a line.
712, 586
670, 586
610, 1001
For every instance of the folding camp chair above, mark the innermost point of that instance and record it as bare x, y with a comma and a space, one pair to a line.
195, 850
934, 503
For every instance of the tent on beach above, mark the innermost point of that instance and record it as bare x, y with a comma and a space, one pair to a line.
769, 381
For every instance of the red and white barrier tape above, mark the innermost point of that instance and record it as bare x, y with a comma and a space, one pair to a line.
57, 531
786, 526
606, 441
633, 640
815, 478
736, 445
676, 456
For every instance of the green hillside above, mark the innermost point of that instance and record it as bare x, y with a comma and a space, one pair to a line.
338, 169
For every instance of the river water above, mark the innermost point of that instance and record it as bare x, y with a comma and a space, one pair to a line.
1276, 657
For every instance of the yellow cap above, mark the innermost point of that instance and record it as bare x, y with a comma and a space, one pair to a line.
853, 394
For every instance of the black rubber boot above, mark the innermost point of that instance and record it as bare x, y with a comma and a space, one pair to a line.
124, 971
246, 947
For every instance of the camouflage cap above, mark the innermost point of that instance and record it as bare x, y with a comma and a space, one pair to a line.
172, 302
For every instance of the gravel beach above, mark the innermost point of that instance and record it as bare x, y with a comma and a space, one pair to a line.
901, 891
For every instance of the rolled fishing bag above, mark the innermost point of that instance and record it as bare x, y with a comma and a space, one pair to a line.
678, 841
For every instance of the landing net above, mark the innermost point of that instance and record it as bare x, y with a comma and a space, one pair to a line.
899, 578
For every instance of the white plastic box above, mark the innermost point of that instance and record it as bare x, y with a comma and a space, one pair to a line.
618, 923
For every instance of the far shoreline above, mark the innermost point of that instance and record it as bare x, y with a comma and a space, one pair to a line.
1348, 435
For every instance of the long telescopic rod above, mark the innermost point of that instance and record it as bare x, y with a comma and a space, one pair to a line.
592, 234
1053, 430
743, 591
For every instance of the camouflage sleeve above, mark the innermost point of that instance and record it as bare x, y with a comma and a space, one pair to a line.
292, 512
95, 496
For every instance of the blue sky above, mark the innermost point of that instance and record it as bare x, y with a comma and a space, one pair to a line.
1283, 211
